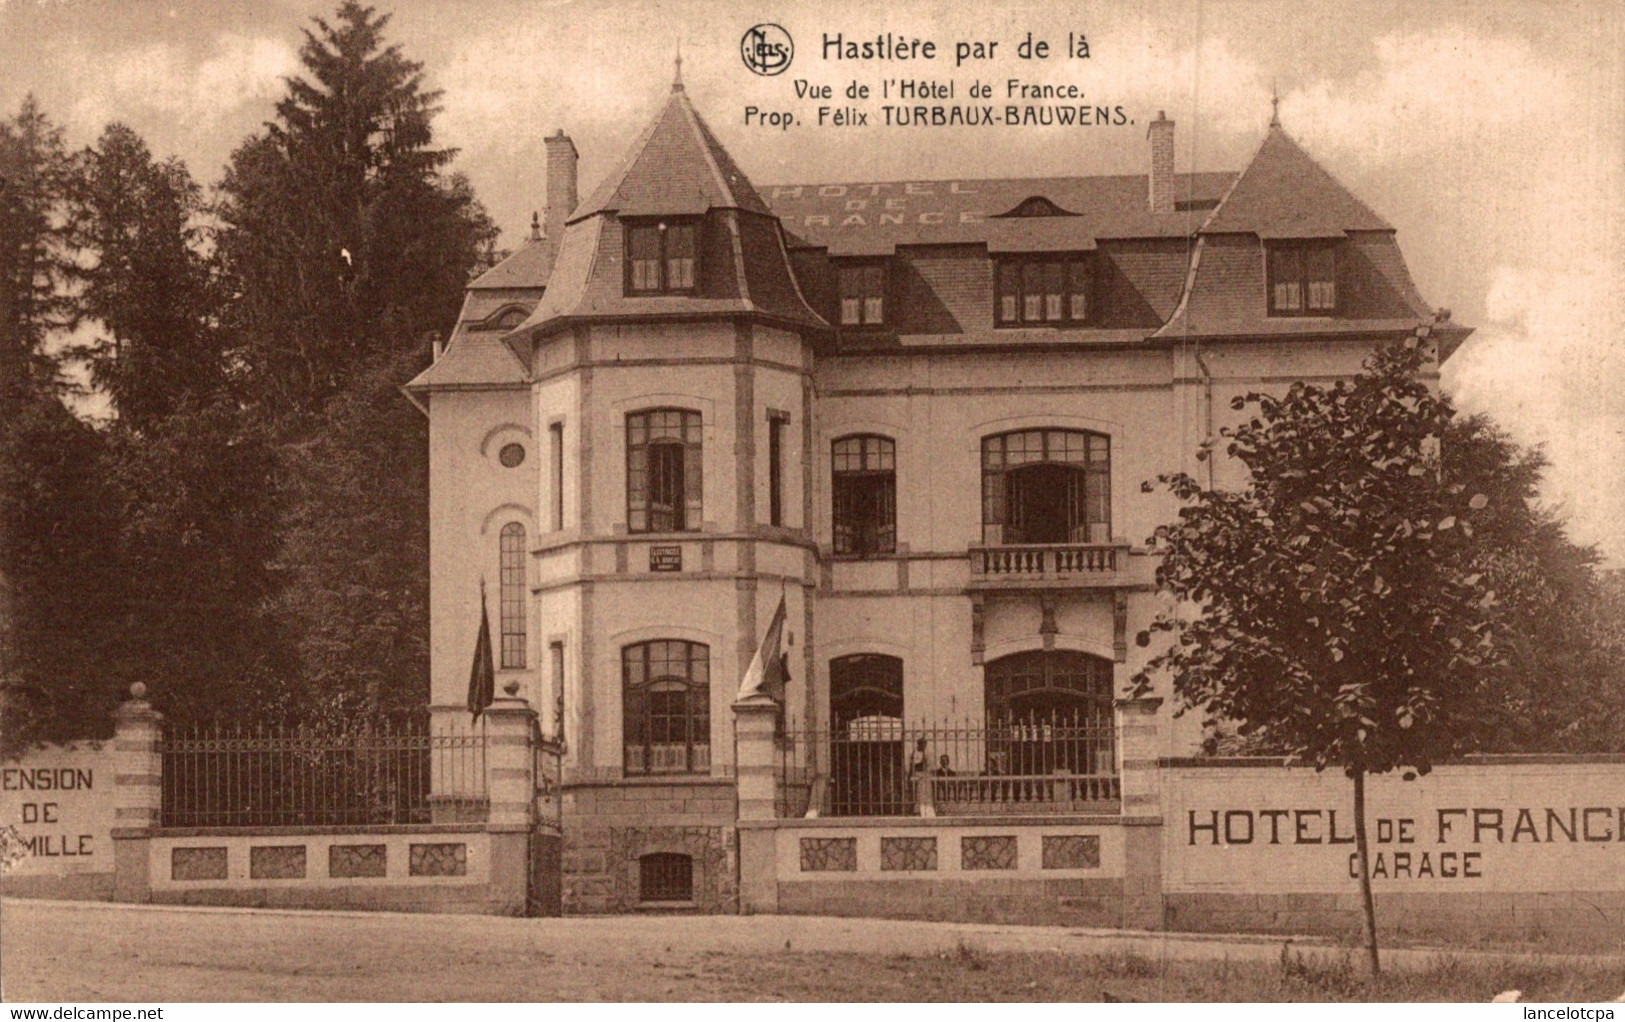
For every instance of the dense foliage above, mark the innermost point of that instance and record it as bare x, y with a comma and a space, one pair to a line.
1379, 593
247, 531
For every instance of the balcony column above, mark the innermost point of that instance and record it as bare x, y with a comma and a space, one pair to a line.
754, 724
1141, 786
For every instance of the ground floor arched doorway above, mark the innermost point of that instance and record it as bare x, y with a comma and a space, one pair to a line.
1048, 712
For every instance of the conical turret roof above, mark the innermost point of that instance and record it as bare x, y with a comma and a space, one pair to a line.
1284, 193
676, 168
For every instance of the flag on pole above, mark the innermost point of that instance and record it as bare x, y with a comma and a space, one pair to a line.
482, 679
768, 672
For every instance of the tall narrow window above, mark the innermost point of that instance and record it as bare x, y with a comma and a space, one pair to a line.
864, 488
666, 707
663, 458
1037, 291
555, 652
512, 552
661, 257
555, 474
1303, 280
1046, 486
775, 468
863, 295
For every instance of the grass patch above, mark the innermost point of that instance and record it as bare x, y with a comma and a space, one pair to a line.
969, 973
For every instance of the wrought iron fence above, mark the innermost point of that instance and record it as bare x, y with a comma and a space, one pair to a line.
381, 772
880, 766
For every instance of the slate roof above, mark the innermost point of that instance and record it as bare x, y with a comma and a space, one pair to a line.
1284, 193
1195, 272
873, 218
528, 267
675, 168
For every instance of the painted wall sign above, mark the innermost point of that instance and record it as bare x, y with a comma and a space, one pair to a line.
61, 803
665, 558
1490, 827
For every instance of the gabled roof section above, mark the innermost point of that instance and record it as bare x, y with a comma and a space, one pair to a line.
676, 168
1284, 193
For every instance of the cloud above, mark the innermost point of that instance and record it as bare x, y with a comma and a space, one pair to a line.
1543, 367
198, 90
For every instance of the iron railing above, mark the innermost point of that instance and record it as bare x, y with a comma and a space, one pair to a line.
377, 773
880, 766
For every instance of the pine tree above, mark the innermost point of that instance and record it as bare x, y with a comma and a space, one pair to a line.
148, 281
341, 235
37, 267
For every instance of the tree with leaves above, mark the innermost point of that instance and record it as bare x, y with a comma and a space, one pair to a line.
1337, 602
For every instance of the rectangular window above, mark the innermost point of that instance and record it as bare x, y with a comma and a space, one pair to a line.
663, 459
555, 653
863, 295
1303, 280
864, 494
1046, 486
662, 258
555, 474
1033, 291
775, 468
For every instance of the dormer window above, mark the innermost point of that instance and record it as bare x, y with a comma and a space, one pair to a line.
661, 257
863, 295
1042, 290
1303, 280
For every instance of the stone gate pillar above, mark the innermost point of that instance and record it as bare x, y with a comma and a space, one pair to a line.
510, 783
137, 793
1141, 781
755, 720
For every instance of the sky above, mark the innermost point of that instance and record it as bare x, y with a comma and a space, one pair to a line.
1490, 134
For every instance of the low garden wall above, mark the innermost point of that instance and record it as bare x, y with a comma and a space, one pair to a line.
1057, 869
420, 868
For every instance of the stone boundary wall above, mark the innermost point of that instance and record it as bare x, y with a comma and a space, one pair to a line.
1056, 870
427, 868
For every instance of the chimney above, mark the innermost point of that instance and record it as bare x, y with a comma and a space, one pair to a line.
1161, 133
561, 185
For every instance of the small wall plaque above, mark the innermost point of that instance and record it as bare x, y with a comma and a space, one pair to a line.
665, 558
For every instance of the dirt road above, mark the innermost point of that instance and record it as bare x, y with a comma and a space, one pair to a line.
78, 951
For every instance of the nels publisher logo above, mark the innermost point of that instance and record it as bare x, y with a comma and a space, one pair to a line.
767, 49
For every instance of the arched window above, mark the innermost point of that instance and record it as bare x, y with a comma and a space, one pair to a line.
663, 458
865, 685
666, 704
511, 544
1046, 486
864, 492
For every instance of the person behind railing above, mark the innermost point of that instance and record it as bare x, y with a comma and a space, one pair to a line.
945, 769
919, 772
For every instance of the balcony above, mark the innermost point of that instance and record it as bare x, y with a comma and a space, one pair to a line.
1049, 566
